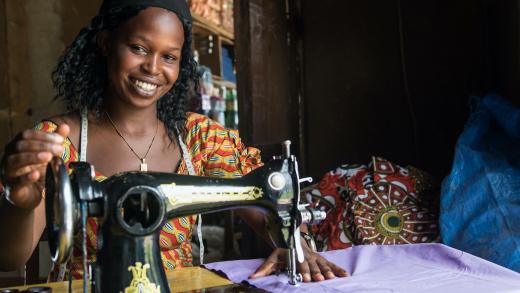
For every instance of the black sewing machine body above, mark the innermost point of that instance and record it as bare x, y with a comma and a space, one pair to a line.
132, 207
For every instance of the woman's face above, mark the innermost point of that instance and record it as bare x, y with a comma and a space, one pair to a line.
143, 56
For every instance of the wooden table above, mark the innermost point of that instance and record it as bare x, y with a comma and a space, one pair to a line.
180, 280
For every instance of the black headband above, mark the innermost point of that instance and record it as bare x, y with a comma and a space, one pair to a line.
180, 7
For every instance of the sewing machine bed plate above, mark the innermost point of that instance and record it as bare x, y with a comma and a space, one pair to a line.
181, 280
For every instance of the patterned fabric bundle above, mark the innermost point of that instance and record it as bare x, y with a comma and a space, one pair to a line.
381, 203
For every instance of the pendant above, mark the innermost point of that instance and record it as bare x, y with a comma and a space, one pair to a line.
144, 166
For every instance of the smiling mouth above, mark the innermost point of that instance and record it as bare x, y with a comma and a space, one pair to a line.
144, 86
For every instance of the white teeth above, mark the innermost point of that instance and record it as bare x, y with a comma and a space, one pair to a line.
144, 85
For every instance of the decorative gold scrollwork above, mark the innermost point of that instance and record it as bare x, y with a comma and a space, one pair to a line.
140, 282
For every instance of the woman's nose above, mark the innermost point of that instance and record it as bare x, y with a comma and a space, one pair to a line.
151, 65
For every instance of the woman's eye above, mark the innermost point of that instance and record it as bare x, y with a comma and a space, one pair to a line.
170, 58
138, 49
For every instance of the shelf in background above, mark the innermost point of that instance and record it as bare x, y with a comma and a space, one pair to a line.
226, 35
217, 80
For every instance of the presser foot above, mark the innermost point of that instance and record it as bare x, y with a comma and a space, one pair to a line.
295, 280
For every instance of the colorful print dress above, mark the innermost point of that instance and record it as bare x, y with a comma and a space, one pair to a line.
215, 152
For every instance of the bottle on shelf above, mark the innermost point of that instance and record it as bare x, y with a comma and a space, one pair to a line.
222, 105
218, 107
231, 109
234, 91
206, 90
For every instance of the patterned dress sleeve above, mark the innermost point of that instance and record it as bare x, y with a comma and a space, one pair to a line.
217, 151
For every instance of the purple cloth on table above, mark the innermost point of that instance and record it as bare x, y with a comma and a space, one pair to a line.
390, 268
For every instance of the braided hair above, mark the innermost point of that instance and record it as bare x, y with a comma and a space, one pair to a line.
80, 77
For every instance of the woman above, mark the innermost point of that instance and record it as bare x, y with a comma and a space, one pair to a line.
125, 80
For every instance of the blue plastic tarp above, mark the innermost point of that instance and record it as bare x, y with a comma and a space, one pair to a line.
480, 199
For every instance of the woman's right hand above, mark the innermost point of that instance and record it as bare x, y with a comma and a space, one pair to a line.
25, 162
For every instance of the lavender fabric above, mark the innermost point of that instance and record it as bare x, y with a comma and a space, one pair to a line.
391, 268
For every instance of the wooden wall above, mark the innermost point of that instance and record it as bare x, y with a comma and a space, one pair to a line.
393, 78
5, 125
33, 33
267, 109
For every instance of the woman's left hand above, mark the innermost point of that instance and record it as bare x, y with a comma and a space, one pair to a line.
314, 268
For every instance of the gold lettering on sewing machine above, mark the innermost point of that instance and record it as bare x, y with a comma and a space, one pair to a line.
188, 194
140, 282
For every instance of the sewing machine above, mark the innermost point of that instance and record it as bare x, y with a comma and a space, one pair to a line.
132, 207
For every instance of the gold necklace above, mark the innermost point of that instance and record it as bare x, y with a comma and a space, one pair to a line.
143, 166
